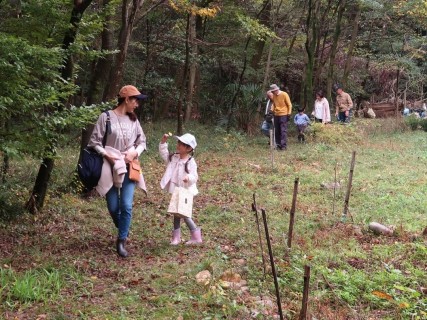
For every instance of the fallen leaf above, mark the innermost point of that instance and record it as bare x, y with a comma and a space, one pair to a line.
382, 295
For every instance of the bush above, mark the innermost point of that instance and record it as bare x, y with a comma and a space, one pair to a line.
423, 123
412, 122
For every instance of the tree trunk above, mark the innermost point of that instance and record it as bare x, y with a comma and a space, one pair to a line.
102, 67
396, 95
192, 66
130, 9
334, 49
264, 19
36, 201
70, 35
355, 29
184, 79
310, 46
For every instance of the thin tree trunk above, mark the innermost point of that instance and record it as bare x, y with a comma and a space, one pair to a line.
184, 79
353, 40
192, 66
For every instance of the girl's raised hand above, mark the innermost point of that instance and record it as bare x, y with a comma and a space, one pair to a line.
165, 137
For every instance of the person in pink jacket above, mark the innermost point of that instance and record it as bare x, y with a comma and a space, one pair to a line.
181, 171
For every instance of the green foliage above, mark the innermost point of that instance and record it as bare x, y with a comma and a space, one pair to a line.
245, 111
373, 275
254, 28
413, 122
32, 286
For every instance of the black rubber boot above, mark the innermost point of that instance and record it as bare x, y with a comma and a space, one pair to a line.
121, 250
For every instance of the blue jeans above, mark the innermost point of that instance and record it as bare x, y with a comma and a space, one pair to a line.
119, 204
343, 118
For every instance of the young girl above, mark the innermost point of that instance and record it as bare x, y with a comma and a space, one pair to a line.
181, 171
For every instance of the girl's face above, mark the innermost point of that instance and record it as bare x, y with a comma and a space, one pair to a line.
318, 97
182, 148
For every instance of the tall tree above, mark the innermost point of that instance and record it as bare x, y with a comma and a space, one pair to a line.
38, 194
130, 9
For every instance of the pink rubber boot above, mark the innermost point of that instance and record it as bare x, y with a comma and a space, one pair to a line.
176, 237
196, 237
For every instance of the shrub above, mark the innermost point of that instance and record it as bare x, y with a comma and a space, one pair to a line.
412, 122
423, 123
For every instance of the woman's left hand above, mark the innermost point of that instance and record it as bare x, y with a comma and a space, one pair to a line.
130, 155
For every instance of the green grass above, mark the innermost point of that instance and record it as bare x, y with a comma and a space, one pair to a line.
61, 262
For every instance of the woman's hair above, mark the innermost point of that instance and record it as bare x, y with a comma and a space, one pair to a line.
320, 93
132, 116
186, 163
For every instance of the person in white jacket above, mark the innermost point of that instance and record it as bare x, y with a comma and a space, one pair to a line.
181, 171
321, 111
124, 143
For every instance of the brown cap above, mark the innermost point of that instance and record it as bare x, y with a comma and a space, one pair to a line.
131, 91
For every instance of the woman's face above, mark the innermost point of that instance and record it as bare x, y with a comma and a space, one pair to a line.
318, 97
131, 104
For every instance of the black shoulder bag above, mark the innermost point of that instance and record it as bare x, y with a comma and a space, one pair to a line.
90, 165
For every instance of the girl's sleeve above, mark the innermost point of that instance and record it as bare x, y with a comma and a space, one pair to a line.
141, 140
192, 175
98, 133
295, 119
164, 151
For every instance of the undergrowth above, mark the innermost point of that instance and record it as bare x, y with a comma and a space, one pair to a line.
61, 263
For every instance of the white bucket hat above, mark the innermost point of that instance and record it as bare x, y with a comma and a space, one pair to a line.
188, 139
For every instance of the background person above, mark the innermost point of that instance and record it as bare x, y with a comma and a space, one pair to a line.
125, 143
343, 105
301, 120
321, 110
267, 123
282, 109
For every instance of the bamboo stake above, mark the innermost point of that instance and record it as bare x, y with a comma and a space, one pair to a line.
350, 180
272, 146
273, 269
255, 209
292, 213
303, 314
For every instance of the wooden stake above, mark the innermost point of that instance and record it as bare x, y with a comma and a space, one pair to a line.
335, 188
350, 180
273, 269
292, 213
255, 209
303, 314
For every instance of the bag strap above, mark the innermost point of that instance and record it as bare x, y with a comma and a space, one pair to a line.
107, 129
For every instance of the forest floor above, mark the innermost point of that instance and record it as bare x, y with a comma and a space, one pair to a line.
61, 263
